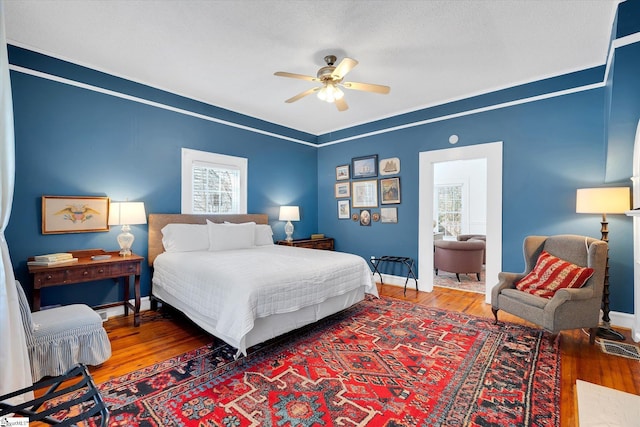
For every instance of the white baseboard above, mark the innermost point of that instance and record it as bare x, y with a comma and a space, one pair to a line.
389, 279
620, 320
106, 313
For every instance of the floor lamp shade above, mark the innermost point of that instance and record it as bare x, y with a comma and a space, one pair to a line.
606, 200
126, 214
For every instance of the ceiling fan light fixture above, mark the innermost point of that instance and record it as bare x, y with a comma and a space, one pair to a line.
330, 78
330, 92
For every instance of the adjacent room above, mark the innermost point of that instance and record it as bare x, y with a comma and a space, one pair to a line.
393, 213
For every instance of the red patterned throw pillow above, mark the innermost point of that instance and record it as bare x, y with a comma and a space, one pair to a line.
552, 274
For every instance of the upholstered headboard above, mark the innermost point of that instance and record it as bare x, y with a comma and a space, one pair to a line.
158, 221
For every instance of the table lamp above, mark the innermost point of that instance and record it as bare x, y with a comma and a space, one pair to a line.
126, 214
289, 213
605, 200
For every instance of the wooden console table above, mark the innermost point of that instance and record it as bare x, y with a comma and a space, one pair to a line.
118, 268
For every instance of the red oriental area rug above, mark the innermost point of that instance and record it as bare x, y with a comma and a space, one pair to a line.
383, 362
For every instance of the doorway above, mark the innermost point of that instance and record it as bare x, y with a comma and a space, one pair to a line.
460, 211
492, 152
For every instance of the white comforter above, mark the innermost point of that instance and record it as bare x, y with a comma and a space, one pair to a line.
233, 288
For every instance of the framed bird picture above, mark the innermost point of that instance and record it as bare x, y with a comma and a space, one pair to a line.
74, 214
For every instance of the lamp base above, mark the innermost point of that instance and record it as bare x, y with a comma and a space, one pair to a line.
125, 252
609, 334
125, 240
288, 229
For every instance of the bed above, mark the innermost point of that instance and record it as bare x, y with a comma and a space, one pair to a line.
227, 276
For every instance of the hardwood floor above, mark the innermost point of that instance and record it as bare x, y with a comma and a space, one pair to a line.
160, 337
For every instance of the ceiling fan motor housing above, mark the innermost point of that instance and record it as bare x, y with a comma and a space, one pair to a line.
324, 73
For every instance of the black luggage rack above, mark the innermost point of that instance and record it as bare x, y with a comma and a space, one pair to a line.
377, 262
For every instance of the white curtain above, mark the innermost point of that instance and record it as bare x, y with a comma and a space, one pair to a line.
15, 371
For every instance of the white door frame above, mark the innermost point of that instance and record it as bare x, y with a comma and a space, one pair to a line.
493, 153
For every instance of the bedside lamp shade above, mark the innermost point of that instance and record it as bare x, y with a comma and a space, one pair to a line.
126, 214
289, 213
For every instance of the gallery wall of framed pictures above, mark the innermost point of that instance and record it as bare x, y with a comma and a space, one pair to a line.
366, 189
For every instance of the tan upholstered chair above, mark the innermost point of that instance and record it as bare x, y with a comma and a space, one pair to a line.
568, 308
458, 257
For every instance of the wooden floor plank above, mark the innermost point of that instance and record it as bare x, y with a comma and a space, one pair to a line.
160, 337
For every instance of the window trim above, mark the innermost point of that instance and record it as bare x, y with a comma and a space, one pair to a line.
461, 212
191, 157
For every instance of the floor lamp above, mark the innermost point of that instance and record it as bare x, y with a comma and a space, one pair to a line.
606, 200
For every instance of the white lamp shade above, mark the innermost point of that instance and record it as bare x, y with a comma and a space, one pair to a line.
127, 213
289, 213
604, 200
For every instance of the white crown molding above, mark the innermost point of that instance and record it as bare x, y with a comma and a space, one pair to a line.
150, 103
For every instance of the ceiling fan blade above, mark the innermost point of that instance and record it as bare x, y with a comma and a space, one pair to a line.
341, 104
296, 76
367, 87
343, 68
302, 95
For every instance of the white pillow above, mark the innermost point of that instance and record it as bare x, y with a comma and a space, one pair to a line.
264, 235
231, 236
185, 237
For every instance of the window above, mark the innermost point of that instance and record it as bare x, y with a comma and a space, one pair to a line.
213, 183
449, 209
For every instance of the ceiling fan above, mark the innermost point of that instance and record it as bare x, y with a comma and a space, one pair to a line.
331, 79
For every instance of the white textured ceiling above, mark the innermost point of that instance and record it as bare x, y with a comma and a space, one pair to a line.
225, 52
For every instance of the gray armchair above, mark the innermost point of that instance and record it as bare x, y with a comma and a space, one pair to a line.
568, 308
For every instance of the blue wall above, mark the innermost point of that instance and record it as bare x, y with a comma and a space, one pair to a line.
74, 141
77, 142
551, 147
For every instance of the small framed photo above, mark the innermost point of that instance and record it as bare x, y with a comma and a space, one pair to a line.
365, 217
342, 172
71, 214
365, 167
344, 212
389, 191
390, 166
342, 190
389, 215
365, 194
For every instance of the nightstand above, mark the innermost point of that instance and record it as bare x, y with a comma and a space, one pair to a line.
119, 268
325, 243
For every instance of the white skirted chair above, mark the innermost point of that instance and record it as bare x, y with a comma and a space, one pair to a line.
61, 337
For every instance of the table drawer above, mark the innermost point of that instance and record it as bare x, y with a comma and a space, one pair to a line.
88, 273
126, 267
50, 278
